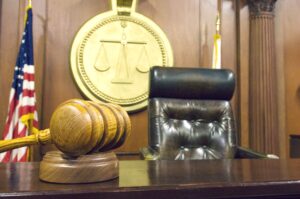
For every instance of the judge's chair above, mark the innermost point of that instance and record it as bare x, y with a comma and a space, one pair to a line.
190, 116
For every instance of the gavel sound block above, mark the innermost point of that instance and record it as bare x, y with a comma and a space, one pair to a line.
85, 132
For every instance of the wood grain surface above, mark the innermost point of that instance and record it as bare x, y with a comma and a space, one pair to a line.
165, 179
58, 168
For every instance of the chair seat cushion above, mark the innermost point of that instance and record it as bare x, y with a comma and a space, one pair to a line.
184, 153
203, 130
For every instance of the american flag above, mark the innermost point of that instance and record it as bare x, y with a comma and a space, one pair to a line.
22, 118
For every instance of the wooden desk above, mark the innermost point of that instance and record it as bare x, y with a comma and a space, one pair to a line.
165, 179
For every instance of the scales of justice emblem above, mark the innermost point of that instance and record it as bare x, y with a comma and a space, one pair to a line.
122, 70
113, 52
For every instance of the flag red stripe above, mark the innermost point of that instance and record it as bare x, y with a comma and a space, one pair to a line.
24, 157
29, 76
26, 109
28, 93
16, 130
35, 123
22, 133
7, 156
12, 108
17, 134
15, 159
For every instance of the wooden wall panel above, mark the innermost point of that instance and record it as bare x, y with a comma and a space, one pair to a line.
63, 21
229, 36
287, 33
189, 25
281, 78
39, 25
288, 59
229, 49
9, 37
180, 27
244, 71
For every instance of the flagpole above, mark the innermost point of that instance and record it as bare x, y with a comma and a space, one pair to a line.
219, 10
30, 126
218, 18
29, 6
216, 62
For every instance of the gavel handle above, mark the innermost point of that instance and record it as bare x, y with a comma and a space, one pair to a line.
42, 137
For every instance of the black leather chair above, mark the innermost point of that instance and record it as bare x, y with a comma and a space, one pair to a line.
190, 116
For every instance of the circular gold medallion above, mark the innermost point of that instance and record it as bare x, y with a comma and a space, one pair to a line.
112, 54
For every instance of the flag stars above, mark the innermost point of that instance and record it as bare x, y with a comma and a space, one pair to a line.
23, 41
18, 68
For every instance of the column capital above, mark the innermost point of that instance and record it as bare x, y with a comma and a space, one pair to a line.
259, 7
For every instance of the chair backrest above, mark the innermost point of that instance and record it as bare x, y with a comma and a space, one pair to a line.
190, 116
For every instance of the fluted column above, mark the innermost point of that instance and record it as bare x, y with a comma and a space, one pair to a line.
262, 76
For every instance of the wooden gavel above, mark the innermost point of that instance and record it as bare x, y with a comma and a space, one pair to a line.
79, 127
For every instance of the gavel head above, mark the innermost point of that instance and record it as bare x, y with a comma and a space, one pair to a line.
79, 127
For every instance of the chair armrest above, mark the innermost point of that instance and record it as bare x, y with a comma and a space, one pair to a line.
250, 154
147, 153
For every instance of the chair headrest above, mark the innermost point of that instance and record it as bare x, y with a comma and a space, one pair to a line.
191, 83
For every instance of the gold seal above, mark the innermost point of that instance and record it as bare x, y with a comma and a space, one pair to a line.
112, 53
